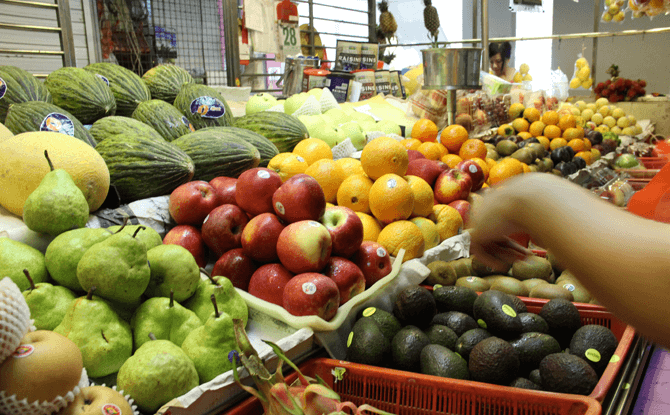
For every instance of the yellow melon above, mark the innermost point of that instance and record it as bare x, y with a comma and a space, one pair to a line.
4, 133
22, 167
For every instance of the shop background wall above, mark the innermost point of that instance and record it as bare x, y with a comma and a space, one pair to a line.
502, 22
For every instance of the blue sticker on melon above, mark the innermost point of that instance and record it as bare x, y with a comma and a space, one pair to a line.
187, 123
208, 107
57, 123
3, 88
103, 78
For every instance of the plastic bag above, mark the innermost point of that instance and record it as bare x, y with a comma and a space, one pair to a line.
494, 85
558, 90
581, 78
614, 11
429, 104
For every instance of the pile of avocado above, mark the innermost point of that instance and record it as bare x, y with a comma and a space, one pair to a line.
453, 332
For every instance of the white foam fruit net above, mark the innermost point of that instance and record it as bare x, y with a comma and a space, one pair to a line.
14, 317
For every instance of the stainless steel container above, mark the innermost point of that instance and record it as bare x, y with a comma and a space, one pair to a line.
451, 68
294, 68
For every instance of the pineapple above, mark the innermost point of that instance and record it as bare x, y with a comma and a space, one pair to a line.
387, 23
431, 20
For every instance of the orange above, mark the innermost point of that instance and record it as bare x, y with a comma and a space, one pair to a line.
371, 227
424, 198
520, 125
581, 131
424, 130
526, 169
350, 166
505, 169
354, 193
531, 114
586, 155
576, 144
550, 118
443, 149
505, 130
431, 236
402, 234
544, 141
451, 160
472, 148
552, 131
453, 137
411, 143
490, 162
557, 142
449, 222
313, 149
484, 165
329, 175
287, 165
536, 128
391, 198
525, 135
567, 121
587, 144
430, 150
384, 155
571, 134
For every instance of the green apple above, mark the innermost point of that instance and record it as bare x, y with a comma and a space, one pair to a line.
316, 93
337, 116
260, 102
331, 135
354, 131
389, 127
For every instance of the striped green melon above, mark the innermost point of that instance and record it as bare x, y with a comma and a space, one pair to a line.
142, 167
114, 125
164, 118
284, 130
42, 116
215, 155
164, 81
81, 93
204, 106
265, 147
17, 85
127, 87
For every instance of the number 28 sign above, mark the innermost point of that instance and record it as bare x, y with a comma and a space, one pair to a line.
289, 38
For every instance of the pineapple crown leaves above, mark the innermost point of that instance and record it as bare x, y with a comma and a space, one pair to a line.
383, 6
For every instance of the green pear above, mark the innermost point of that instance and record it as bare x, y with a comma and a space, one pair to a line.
229, 300
48, 303
337, 116
369, 126
361, 117
164, 317
208, 346
15, 257
316, 93
117, 266
158, 372
331, 135
56, 205
354, 132
125, 310
259, 102
105, 340
173, 269
64, 252
146, 234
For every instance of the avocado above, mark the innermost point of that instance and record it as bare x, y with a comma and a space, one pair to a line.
567, 373
462, 266
415, 305
563, 319
519, 305
497, 311
595, 344
475, 283
532, 348
406, 348
387, 322
550, 291
531, 322
532, 267
442, 335
438, 360
455, 320
454, 299
532, 283
367, 344
441, 273
524, 383
482, 270
469, 340
493, 360
506, 147
511, 286
579, 293
534, 376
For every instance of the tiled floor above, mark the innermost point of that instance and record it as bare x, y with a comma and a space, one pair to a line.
654, 396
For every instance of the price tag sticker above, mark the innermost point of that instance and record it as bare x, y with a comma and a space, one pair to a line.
289, 39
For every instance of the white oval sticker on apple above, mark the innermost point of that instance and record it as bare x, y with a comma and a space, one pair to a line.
309, 288
381, 252
314, 223
280, 208
263, 174
472, 169
300, 159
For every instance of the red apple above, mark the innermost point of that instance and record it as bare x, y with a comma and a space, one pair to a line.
268, 283
348, 277
475, 171
190, 238
374, 261
452, 185
224, 187
222, 229
463, 207
346, 229
299, 198
442, 165
428, 170
237, 267
304, 246
311, 294
259, 237
255, 188
413, 155
191, 202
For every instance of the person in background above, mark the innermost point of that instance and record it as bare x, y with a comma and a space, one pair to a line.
499, 55
622, 259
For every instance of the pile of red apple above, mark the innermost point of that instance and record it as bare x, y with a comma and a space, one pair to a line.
277, 241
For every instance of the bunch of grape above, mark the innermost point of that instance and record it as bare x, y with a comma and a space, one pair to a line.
621, 89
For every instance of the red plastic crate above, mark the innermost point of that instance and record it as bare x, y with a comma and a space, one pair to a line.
653, 162
638, 184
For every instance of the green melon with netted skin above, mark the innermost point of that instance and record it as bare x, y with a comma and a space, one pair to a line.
114, 125
18, 86
141, 167
284, 130
30, 116
204, 106
216, 155
164, 81
164, 118
127, 87
266, 148
80, 92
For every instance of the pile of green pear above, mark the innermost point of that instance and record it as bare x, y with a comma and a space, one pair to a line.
141, 312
